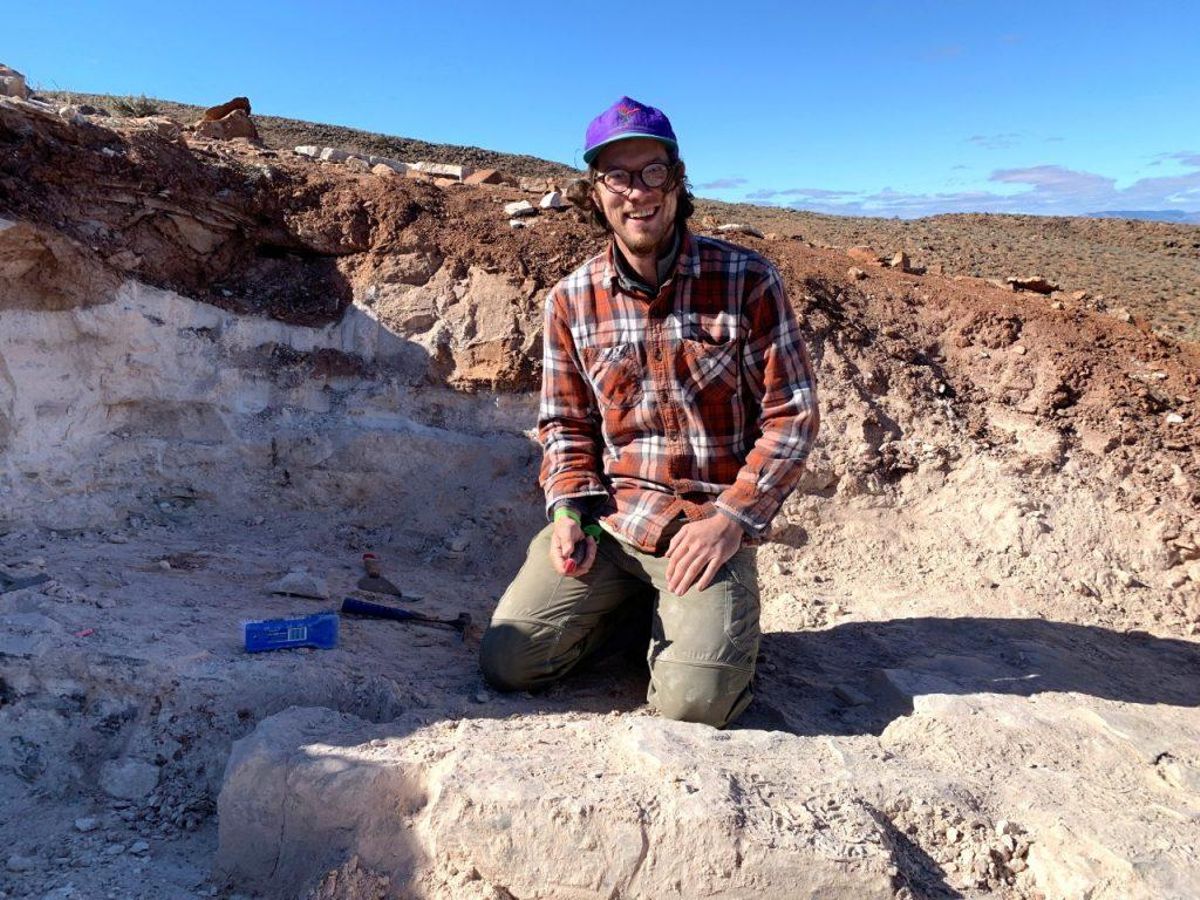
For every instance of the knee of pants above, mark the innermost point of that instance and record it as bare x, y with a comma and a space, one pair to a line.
712, 695
513, 656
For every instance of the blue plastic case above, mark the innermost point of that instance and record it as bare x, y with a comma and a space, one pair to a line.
319, 631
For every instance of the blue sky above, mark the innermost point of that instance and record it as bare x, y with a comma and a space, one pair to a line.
877, 108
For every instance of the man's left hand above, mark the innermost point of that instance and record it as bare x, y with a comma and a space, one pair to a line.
698, 551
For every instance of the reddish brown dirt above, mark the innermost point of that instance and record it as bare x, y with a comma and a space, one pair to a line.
1150, 268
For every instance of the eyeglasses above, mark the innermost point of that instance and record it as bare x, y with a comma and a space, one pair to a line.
653, 176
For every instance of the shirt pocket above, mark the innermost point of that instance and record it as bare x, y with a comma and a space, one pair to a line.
615, 374
710, 366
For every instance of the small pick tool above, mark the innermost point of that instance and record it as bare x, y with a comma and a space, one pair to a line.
374, 581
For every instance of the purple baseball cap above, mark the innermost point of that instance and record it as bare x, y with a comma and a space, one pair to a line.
627, 119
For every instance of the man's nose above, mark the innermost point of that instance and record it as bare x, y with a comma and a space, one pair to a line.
638, 188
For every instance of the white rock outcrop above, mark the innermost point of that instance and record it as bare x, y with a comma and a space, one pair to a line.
612, 808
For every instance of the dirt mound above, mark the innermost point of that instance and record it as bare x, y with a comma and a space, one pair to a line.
282, 133
222, 363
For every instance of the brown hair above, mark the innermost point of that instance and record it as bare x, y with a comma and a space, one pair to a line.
579, 192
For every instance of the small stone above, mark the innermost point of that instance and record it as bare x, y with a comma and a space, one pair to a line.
12, 83
18, 863
856, 273
1127, 579
395, 165
553, 200
358, 164
900, 261
1004, 826
1019, 349
519, 209
237, 124
482, 697
485, 176
445, 170
332, 154
86, 824
521, 223
308, 150
114, 850
536, 185
1174, 419
139, 847
851, 696
739, 228
128, 779
1034, 283
300, 583
864, 255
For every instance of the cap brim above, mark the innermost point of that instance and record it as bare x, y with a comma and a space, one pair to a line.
592, 152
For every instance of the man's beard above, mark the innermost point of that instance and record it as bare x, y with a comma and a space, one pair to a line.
647, 245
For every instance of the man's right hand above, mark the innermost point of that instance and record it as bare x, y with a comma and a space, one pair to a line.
563, 540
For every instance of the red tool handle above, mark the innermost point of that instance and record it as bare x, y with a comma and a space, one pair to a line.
578, 555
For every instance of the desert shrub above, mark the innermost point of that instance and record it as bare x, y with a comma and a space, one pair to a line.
135, 107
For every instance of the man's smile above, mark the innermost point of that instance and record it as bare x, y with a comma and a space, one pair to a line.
643, 214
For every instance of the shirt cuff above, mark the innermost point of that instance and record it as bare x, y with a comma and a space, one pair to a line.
751, 508
582, 504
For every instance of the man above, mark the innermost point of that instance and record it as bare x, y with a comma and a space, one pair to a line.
678, 406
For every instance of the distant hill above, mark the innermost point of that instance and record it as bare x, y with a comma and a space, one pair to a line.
1177, 216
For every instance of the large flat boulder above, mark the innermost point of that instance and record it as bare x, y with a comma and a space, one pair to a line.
566, 808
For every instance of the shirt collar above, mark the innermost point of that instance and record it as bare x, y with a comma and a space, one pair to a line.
684, 258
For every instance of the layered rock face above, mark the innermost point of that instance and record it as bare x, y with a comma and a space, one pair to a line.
111, 384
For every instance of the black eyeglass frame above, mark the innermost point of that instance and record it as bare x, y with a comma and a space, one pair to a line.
667, 183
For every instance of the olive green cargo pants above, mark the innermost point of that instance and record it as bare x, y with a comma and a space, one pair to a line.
703, 644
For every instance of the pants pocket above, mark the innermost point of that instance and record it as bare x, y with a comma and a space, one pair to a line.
743, 608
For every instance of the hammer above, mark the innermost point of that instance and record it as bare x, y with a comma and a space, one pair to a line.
354, 606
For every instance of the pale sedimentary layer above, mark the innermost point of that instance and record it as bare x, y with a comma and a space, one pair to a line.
110, 391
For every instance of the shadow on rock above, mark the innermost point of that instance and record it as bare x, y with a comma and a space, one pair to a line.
858, 677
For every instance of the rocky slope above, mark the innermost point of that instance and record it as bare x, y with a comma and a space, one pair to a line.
223, 362
1150, 269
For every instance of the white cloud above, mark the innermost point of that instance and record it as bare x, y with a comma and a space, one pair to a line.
723, 184
995, 141
1044, 189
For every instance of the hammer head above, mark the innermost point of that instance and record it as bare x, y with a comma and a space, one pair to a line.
471, 633
462, 624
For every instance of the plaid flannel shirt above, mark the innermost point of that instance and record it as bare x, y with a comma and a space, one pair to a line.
700, 399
